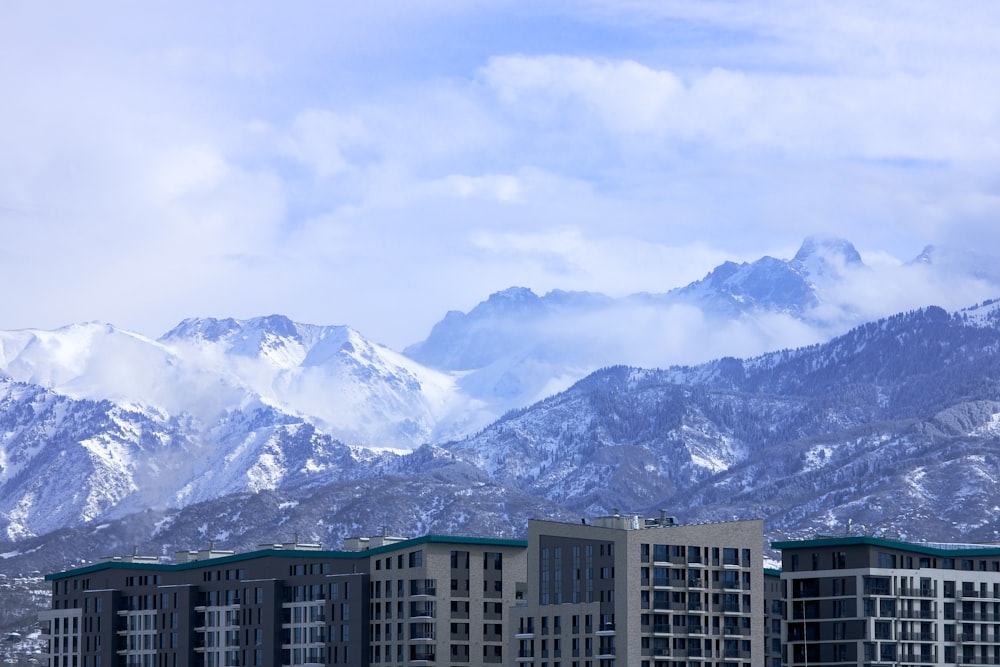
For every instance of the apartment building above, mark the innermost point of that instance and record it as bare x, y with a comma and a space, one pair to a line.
774, 617
857, 601
402, 602
447, 602
624, 591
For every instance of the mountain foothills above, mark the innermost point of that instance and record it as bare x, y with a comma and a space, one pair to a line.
245, 432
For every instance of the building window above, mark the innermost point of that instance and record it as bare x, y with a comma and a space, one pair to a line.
886, 560
887, 608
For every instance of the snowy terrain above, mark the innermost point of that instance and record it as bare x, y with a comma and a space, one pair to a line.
518, 399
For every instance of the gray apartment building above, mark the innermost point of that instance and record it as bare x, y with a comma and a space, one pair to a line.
865, 601
403, 602
774, 617
625, 591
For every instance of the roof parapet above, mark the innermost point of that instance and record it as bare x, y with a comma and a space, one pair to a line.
365, 543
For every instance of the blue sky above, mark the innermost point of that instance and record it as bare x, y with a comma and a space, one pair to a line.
377, 164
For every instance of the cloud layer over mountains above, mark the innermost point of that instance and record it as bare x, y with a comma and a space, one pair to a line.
356, 165
513, 349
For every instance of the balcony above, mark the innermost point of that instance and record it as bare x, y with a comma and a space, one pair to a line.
605, 630
924, 592
418, 610
422, 631
420, 658
877, 588
304, 644
977, 660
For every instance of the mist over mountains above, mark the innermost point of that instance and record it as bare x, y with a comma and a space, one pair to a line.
526, 406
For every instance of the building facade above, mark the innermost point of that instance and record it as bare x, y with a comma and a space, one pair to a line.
774, 617
860, 601
623, 591
446, 603
397, 601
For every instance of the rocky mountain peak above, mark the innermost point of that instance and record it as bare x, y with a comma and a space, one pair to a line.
826, 257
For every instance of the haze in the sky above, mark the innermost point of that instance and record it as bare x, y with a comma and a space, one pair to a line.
379, 163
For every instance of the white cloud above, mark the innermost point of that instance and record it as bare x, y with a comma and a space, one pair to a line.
501, 187
871, 116
186, 171
626, 96
363, 166
324, 140
238, 62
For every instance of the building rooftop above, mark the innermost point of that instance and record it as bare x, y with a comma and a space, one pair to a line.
943, 549
283, 552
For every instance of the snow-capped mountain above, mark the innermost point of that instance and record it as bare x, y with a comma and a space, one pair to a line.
773, 285
216, 407
352, 389
892, 428
894, 425
517, 347
518, 319
355, 390
66, 461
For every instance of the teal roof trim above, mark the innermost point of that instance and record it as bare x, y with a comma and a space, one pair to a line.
286, 553
942, 550
446, 539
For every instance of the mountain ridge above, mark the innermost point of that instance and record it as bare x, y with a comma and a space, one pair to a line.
842, 445
228, 406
